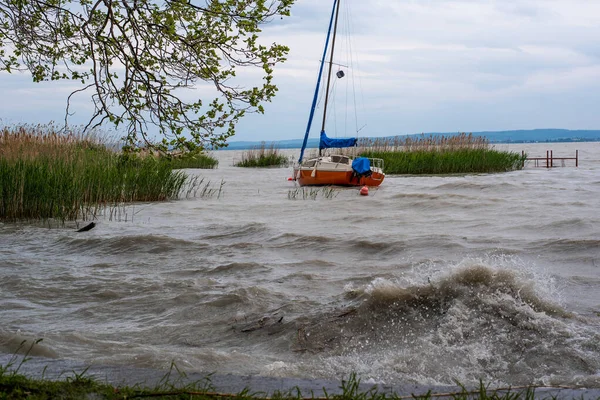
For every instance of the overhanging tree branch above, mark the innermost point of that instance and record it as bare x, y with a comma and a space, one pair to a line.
139, 57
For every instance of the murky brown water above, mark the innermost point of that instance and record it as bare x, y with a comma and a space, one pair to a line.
427, 280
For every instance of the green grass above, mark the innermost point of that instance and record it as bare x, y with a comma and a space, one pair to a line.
263, 156
176, 385
69, 189
457, 161
14, 385
454, 154
45, 175
430, 155
191, 160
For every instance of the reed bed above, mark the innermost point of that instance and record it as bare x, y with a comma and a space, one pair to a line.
449, 162
429, 143
263, 156
462, 153
196, 160
48, 175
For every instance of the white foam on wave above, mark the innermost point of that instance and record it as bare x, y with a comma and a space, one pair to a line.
495, 318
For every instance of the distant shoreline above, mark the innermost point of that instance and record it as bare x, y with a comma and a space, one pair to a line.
494, 137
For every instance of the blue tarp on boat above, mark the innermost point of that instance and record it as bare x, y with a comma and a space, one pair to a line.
361, 166
327, 143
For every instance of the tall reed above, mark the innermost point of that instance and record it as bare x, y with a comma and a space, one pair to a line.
263, 156
448, 162
45, 174
191, 160
440, 143
461, 153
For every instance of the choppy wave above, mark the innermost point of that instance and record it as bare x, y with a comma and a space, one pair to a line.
235, 232
432, 196
474, 186
151, 244
237, 268
426, 280
568, 245
293, 240
428, 201
17, 343
476, 322
349, 244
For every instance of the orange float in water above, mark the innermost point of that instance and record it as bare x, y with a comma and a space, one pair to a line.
364, 191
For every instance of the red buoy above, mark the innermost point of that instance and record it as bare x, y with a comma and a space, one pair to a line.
364, 191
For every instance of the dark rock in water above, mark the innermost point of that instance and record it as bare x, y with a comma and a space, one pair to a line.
88, 227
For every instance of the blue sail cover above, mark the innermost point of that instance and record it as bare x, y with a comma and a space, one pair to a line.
361, 166
327, 143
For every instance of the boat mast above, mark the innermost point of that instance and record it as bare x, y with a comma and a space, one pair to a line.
337, 14
314, 103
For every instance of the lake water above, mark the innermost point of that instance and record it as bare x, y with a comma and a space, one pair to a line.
426, 280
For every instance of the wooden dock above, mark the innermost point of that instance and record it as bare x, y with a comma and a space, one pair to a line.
549, 160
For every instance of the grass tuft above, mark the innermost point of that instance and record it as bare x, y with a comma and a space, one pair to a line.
197, 160
311, 193
263, 156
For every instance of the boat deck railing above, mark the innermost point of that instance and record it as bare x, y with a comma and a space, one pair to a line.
377, 163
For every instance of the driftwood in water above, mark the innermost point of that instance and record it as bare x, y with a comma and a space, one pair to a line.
88, 227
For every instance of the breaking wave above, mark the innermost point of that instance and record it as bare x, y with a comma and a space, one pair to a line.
474, 322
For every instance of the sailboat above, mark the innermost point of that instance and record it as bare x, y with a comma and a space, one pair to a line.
334, 169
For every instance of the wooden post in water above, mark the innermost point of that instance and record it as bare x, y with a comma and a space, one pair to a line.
550, 159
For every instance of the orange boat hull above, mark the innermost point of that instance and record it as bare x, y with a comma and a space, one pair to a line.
340, 178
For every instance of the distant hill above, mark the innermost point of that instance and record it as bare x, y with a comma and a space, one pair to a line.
518, 136
541, 135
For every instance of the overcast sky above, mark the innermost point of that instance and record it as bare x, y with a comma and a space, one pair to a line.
422, 66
